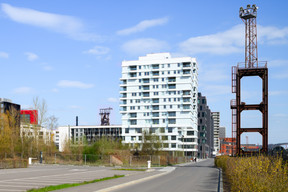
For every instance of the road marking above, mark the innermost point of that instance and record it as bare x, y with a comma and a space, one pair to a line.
10, 190
45, 176
132, 182
20, 171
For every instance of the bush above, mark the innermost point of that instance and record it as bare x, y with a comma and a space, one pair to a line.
259, 173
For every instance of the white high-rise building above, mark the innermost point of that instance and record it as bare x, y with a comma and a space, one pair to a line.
216, 120
159, 96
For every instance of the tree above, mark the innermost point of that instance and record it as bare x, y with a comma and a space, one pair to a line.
151, 144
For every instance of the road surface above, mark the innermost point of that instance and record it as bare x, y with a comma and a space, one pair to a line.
201, 176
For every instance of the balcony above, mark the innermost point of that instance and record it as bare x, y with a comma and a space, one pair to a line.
146, 80
155, 107
186, 64
146, 87
155, 66
124, 102
155, 101
146, 94
172, 86
132, 75
155, 73
171, 79
133, 68
186, 72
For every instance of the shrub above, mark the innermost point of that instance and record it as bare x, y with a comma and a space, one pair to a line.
257, 173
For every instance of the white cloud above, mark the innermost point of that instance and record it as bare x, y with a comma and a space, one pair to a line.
47, 68
213, 75
276, 93
55, 90
68, 25
112, 100
272, 35
277, 63
220, 43
145, 45
31, 56
143, 25
4, 55
280, 115
98, 50
74, 84
232, 40
23, 90
280, 75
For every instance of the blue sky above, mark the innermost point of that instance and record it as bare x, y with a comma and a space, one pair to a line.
70, 52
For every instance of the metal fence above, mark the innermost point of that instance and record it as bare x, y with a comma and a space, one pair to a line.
110, 160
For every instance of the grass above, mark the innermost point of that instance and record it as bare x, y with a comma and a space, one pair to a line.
68, 185
130, 169
256, 173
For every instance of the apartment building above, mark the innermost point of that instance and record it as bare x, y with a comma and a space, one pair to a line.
216, 122
205, 128
159, 96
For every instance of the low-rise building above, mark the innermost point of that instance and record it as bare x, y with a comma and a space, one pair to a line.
88, 133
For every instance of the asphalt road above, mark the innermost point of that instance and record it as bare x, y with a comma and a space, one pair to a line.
194, 177
17, 180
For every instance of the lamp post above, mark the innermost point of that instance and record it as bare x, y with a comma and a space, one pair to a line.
183, 145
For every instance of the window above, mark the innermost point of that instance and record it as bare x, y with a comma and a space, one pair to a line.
155, 93
133, 122
139, 67
139, 80
164, 106
164, 138
174, 99
163, 120
169, 99
168, 72
173, 145
155, 79
170, 130
190, 132
140, 138
133, 115
126, 130
168, 65
164, 99
133, 94
162, 79
139, 73
172, 114
155, 121
171, 106
171, 121
178, 64
162, 130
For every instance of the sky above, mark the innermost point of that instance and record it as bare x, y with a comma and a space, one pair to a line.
69, 53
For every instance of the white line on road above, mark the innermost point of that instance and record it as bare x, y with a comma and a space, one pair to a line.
45, 176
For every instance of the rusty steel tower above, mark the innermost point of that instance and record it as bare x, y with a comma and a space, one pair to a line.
104, 113
251, 67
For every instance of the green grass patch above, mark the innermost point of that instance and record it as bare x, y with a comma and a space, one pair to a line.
68, 185
130, 169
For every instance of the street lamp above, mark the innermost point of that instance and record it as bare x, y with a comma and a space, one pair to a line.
183, 145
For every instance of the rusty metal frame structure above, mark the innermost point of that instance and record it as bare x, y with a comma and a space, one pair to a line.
251, 67
104, 113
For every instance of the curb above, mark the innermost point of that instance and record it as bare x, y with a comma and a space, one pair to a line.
133, 182
220, 181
